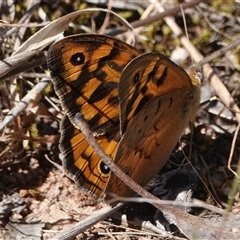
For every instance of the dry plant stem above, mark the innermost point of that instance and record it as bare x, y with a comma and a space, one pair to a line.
87, 222
189, 225
25, 67
221, 52
49, 33
214, 28
139, 225
18, 25
23, 22
15, 94
232, 151
145, 15
32, 5
213, 192
234, 190
107, 18
193, 203
156, 17
222, 91
215, 82
9, 64
206, 167
23, 104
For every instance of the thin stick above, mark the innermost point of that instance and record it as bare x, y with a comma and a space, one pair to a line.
23, 104
79, 121
232, 151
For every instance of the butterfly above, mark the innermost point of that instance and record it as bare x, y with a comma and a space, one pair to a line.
136, 105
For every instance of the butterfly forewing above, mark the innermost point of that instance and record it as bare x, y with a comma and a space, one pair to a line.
155, 106
85, 70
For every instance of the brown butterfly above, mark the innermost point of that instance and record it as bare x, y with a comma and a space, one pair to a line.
94, 75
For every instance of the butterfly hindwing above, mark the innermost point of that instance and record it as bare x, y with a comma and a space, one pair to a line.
81, 163
155, 103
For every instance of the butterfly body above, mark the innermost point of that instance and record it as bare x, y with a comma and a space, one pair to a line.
137, 105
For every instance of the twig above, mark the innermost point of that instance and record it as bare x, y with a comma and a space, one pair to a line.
156, 17
232, 151
23, 104
83, 225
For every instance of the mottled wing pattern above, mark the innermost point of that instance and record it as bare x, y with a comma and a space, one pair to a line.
157, 102
81, 163
86, 70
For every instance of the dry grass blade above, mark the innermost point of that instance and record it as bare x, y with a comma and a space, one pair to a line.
156, 17
23, 104
87, 222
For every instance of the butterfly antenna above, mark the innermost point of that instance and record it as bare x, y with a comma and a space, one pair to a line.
198, 68
185, 28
